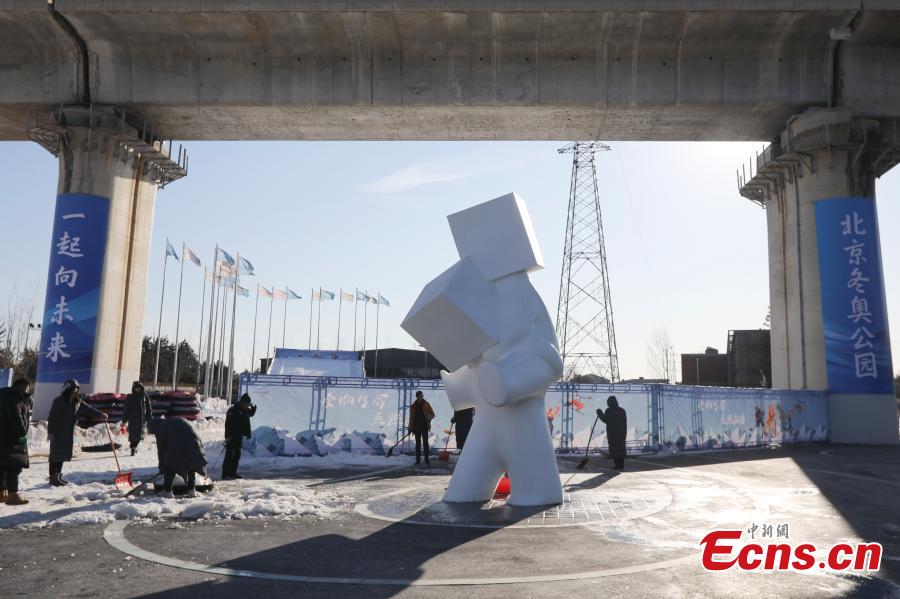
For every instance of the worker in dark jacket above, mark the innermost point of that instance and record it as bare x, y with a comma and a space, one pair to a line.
237, 427
15, 416
137, 414
180, 450
64, 413
463, 421
616, 427
420, 416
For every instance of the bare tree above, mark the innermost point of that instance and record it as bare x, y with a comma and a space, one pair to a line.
18, 309
661, 356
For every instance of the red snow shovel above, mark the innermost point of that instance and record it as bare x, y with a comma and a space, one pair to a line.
444, 456
123, 479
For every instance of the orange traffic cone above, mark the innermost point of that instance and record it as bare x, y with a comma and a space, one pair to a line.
503, 487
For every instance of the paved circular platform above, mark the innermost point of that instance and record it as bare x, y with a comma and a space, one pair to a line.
639, 521
586, 500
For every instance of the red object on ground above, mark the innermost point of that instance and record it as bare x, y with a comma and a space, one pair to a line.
502, 487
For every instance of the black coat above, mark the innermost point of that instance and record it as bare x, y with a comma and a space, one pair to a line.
179, 446
137, 413
237, 422
616, 428
61, 426
463, 421
15, 416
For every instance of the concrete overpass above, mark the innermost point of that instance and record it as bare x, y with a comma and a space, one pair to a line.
102, 83
450, 69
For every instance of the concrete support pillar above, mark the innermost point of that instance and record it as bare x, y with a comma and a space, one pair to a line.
113, 167
821, 155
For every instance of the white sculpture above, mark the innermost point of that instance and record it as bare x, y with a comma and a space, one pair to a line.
485, 321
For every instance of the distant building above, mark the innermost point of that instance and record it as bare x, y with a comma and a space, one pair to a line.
395, 363
750, 358
709, 368
748, 362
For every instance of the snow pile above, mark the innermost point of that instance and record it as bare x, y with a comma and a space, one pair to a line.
213, 406
269, 489
254, 499
269, 441
39, 444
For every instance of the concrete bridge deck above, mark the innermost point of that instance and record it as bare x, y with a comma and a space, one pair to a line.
453, 69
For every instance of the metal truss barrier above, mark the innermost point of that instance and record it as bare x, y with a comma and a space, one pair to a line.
669, 418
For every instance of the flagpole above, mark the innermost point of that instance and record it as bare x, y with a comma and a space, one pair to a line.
311, 294
377, 313
162, 299
355, 306
284, 322
237, 281
221, 385
365, 318
178, 322
215, 336
319, 321
200, 343
269, 340
209, 333
255, 314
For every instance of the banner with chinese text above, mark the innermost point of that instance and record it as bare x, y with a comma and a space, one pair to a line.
73, 288
857, 346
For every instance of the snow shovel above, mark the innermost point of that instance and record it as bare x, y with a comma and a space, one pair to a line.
139, 489
444, 456
123, 479
402, 439
584, 462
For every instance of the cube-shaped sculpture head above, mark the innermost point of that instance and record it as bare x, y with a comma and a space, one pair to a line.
498, 236
456, 316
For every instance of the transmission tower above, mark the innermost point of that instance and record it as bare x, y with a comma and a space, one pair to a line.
584, 317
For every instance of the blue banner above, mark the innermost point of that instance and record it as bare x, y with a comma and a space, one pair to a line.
857, 345
73, 288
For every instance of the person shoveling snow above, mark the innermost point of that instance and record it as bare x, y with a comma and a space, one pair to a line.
180, 452
61, 428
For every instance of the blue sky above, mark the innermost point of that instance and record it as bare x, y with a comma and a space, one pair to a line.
686, 252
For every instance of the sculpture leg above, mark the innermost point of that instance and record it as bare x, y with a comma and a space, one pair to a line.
533, 473
478, 470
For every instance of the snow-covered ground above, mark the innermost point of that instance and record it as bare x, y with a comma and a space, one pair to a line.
271, 488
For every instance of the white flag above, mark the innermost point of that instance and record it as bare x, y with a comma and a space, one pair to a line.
190, 255
346, 296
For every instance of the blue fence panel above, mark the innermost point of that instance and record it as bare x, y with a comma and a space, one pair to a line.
282, 401
355, 412
680, 429
635, 399
709, 417
556, 396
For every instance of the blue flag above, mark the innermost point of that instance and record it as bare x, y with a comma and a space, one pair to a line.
327, 295
244, 267
291, 295
170, 251
383, 301
223, 256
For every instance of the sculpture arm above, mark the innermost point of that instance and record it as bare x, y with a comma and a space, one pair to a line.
460, 385
526, 370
